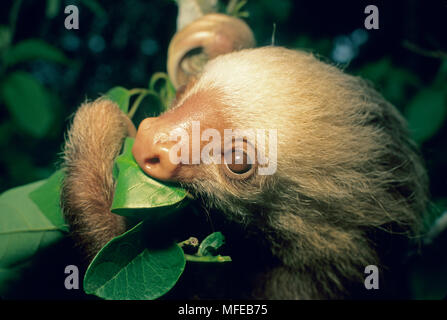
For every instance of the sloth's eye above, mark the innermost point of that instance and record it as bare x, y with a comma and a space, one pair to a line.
238, 164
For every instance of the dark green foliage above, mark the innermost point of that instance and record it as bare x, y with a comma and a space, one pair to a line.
126, 269
211, 244
30, 221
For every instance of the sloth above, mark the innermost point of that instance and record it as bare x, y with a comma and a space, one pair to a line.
350, 188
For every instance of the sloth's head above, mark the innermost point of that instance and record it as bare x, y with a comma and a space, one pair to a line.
337, 157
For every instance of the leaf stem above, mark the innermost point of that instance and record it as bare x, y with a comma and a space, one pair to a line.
218, 258
136, 104
155, 77
137, 90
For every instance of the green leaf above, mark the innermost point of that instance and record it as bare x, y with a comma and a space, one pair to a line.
95, 7
120, 96
211, 244
137, 195
24, 229
393, 82
278, 10
397, 83
28, 102
5, 37
47, 198
52, 8
31, 49
376, 71
426, 114
126, 269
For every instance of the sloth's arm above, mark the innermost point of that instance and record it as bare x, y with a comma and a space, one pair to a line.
92, 144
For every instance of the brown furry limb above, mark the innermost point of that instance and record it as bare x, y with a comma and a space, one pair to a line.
93, 142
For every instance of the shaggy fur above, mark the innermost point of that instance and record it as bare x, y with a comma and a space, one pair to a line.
348, 177
93, 142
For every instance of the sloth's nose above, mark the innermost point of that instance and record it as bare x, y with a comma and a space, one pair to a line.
152, 148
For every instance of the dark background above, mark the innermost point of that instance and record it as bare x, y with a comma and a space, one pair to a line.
124, 42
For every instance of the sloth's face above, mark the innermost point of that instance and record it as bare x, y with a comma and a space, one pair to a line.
199, 145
